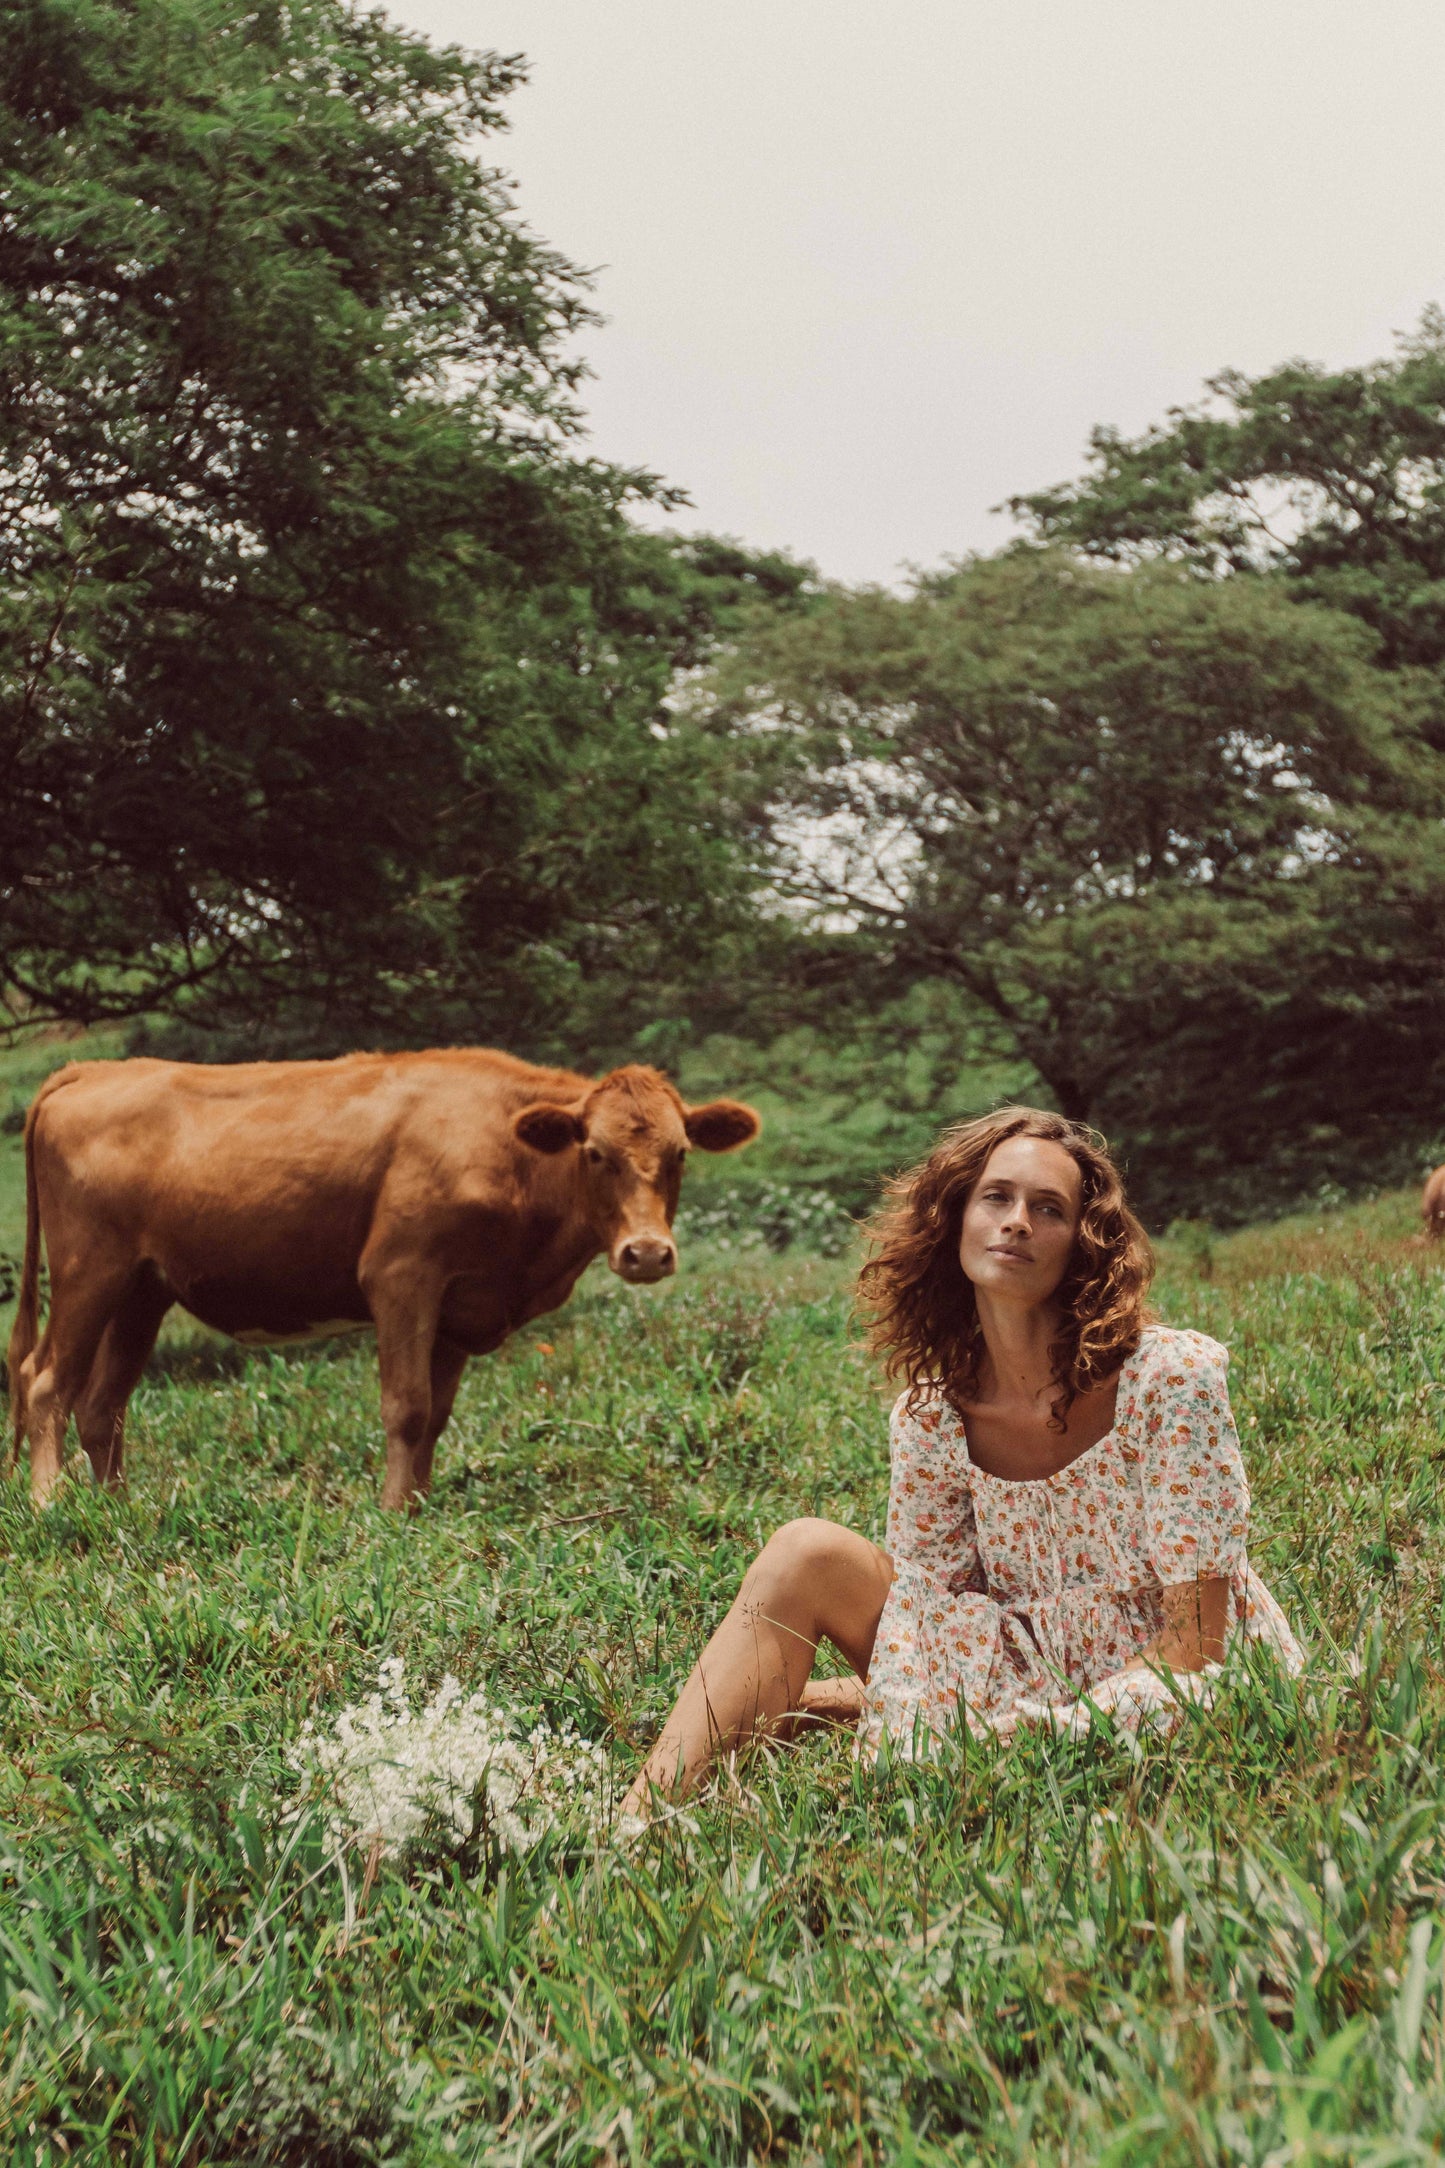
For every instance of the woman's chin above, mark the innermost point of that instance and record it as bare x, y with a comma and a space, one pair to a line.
1007, 1276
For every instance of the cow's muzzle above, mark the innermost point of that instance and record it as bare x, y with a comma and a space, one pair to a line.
642, 1258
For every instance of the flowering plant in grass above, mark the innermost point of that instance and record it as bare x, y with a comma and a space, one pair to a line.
459, 1768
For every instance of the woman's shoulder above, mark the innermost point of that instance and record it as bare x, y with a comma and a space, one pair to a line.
920, 1414
1168, 1348
1170, 1367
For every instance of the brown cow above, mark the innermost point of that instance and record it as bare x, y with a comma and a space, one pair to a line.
1432, 1205
443, 1199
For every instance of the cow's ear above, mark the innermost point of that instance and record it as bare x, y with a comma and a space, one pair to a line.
721, 1126
548, 1129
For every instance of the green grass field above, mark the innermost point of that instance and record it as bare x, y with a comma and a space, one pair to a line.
1225, 1948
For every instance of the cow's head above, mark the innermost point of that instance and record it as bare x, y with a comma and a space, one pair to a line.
630, 1135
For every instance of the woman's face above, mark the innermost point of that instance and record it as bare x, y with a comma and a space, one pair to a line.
1020, 1220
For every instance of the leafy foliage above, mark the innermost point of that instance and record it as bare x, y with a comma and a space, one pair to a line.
767, 1215
857, 1094
1333, 478
1173, 835
333, 668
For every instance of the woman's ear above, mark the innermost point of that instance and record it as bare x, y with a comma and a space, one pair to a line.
721, 1126
548, 1129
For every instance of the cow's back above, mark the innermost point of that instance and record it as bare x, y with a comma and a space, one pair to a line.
252, 1188
192, 1135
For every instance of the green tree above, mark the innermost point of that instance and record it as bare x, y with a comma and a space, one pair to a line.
330, 668
1172, 834
1333, 478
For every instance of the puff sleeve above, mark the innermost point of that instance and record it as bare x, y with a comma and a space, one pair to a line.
940, 1635
1196, 1496
931, 1526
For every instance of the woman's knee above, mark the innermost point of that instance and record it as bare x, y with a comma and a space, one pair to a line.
810, 1550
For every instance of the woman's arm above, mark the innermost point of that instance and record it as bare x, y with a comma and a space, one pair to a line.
931, 1527
1196, 1617
1196, 1501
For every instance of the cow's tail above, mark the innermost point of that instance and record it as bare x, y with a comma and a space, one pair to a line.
26, 1329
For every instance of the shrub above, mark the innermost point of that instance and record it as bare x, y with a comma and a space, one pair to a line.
768, 1216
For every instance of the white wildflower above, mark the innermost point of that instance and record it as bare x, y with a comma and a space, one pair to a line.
459, 1765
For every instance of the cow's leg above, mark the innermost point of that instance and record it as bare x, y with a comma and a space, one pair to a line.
58, 1370
405, 1308
122, 1356
447, 1364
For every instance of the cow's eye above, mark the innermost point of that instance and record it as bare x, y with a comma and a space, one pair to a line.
594, 1155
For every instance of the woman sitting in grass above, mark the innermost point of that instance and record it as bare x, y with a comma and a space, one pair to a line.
1068, 1508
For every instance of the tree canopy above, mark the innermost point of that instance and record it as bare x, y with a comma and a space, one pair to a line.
342, 697
332, 667
1333, 479
1151, 822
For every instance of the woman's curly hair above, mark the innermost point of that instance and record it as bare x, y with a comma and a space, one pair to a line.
924, 1314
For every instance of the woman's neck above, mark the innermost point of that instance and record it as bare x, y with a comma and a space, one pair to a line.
1017, 1340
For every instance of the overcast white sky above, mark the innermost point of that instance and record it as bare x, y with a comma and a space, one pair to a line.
870, 267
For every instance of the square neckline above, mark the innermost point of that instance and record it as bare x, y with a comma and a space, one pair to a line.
1032, 1482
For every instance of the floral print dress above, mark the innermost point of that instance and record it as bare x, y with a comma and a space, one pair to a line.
1026, 1593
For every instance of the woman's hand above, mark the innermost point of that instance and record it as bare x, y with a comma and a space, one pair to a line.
1196, 1615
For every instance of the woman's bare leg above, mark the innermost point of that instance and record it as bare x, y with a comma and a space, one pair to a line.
812, 1581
